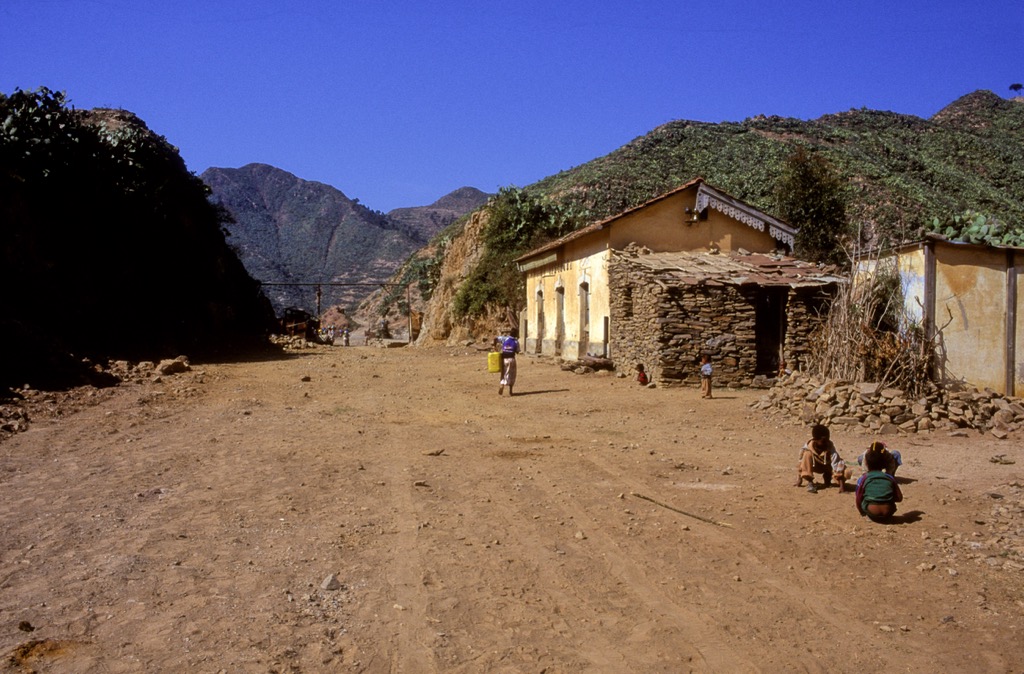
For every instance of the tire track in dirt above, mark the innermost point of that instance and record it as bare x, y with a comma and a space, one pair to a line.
255, 489
636, 583
728, 560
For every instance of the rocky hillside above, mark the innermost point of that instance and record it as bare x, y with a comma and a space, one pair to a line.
109, 248
289, 230
901, 173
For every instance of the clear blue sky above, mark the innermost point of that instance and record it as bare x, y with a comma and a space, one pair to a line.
398, 102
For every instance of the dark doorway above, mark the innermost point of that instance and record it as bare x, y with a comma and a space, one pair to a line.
559, 319
770, 328
539, 347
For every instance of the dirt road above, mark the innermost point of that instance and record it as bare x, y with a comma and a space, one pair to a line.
393, 514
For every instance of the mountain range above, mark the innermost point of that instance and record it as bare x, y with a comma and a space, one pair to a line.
287, 230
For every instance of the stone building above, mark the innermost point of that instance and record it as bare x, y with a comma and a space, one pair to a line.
704, 272
749, 312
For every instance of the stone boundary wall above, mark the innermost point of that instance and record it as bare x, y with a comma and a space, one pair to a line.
887, 411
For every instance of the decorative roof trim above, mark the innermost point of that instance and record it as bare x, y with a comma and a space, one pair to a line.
709, 197
706, 195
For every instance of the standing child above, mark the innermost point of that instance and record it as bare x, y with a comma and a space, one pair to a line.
877, 491
705, 376
641, 376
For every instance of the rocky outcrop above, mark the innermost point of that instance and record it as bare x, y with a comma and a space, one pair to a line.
888, 411
290, 230
461, 254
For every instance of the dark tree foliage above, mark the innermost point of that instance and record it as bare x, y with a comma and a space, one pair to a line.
810, 196
109, 247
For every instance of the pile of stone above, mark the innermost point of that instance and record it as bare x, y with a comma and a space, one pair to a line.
292, 343
146, 370
888, 411
17, 411
587, 365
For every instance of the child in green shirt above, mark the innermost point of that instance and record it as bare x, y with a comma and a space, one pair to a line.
877, 491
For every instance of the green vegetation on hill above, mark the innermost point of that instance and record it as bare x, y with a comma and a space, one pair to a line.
109, 247
516, 222
900, 173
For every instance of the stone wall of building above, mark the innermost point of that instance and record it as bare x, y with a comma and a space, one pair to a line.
667, 326
634, 301
804, 314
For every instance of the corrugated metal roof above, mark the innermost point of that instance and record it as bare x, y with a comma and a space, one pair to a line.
735, 268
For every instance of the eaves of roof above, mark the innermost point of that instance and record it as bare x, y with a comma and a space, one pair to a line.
930, 237
708, 196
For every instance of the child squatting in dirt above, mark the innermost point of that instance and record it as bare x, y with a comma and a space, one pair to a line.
819, 455
877, 491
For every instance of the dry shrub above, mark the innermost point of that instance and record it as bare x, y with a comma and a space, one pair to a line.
868, 336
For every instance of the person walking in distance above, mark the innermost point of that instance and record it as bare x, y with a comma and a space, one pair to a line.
509, 347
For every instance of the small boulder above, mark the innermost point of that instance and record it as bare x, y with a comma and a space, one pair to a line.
175, 366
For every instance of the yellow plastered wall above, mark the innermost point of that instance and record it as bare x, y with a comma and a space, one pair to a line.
666, 226
662, 225
583, 261
1018, 370
970, 311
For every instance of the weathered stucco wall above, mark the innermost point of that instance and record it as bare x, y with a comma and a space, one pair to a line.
559, 287
911, 271
666, 226
970, 310
1018, 369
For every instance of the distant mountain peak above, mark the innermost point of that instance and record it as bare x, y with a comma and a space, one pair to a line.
974, 110
290, 230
